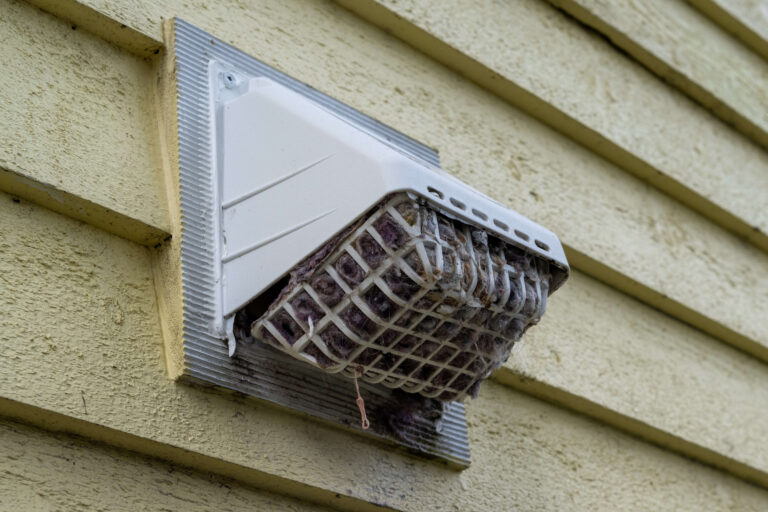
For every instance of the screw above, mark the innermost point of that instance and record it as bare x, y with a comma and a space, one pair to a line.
230, 80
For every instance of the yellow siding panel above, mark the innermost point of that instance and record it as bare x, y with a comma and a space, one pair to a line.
647, 373
79, 123
746, 19
44, 471
528, 456
531, 456
93, 19
689, 51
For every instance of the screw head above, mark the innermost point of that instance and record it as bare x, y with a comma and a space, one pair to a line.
230, 80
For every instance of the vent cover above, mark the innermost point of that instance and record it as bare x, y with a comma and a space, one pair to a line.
249, 138
293, 175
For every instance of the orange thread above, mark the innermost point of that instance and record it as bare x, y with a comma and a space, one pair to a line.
361, 403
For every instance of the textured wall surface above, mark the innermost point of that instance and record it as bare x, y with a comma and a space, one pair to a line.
691, 52
747, 20
78, 116
643, 388
44, 472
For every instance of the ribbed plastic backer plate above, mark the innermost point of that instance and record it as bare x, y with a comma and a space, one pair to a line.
263, 372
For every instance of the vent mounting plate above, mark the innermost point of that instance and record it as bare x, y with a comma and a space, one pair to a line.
270, 170
209, 74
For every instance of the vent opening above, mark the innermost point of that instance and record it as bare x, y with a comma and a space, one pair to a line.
435, 192
521, 235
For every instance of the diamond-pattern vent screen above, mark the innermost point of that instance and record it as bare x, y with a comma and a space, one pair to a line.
410, 298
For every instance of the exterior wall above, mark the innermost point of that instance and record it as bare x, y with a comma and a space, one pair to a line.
49, 472
645, 386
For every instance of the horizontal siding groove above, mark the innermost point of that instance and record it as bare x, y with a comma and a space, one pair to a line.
79, 208
36, 455
57, 422
665, 440
688, 51
79, 130
563, 114
739, 17
600, 353
84, 16
662, 302
750, 498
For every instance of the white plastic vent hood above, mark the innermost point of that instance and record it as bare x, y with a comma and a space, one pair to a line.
292, 175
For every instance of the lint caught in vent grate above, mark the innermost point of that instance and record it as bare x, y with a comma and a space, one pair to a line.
410, 298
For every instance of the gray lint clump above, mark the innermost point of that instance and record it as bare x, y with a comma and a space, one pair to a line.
410, 298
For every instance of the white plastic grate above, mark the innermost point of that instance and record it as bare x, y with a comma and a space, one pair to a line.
410, 298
